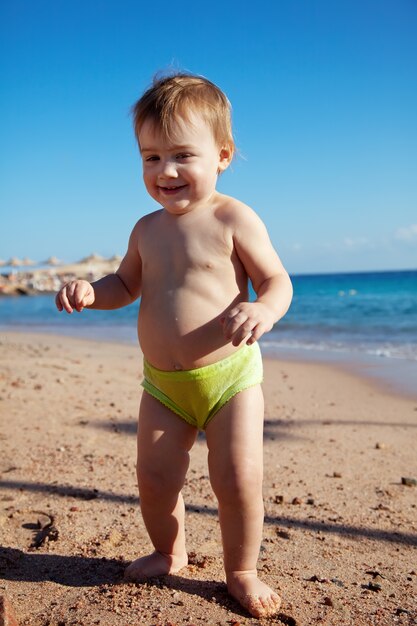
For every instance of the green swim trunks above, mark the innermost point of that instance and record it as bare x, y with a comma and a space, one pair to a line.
196, 395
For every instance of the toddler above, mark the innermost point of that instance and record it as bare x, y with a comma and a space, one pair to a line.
190, 262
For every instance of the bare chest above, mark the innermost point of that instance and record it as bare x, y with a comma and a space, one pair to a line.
180, 254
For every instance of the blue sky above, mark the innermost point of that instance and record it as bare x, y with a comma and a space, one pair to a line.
324, 99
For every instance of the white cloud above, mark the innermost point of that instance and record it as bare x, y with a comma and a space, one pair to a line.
346, 244
407, 233
356, 242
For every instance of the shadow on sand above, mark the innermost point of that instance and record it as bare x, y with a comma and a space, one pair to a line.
81, 571
375, 534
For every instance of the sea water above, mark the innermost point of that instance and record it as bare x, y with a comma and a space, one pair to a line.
368, 318
371, 313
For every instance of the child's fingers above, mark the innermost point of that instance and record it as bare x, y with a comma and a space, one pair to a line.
79, 296
242, 332
64, 301
58, 303
247, 322
256, 334
74, 295
233, 321
240, 335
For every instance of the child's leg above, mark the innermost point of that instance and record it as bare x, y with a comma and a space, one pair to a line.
235, 442
164, 441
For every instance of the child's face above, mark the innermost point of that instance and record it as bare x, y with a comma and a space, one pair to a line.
181, 173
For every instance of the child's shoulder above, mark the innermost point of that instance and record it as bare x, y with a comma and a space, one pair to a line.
146, 220
235, 212
150, 217
142, 226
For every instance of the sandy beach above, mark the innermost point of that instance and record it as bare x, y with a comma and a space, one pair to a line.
340, 520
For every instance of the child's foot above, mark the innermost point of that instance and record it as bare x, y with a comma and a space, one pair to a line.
254, 595
155, 564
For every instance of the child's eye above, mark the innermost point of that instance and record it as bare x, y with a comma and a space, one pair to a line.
183, 155
152, 158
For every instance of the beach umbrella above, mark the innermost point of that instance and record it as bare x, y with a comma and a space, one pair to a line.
52, 260
15, 262
92, 258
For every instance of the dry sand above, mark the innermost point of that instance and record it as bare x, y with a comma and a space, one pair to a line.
340, 527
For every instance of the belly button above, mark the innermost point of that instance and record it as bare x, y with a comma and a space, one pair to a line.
177, 367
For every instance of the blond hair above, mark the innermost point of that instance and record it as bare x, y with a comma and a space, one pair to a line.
175, 96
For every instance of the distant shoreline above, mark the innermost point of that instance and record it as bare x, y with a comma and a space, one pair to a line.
21, 280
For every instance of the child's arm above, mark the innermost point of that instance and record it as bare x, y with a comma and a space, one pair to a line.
110, 292
269, 279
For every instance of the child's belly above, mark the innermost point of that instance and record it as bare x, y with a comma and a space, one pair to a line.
183, 333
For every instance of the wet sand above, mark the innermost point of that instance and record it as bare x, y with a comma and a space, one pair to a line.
340, 525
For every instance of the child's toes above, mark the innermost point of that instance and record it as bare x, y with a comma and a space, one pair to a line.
254, 605
261, 607
273, 604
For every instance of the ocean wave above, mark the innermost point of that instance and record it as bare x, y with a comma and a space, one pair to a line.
389, 351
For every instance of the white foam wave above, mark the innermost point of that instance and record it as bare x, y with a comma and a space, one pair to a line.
389, 351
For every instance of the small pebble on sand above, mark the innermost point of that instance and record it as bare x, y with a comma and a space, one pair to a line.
409, 482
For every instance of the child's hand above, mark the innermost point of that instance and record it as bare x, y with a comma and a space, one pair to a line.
247, 320
75, 295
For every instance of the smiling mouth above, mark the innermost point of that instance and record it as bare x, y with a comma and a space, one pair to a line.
171, 189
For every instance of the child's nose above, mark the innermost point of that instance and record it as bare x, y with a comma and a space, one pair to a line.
168, 168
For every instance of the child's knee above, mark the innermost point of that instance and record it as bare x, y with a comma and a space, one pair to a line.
153, 482
238, 487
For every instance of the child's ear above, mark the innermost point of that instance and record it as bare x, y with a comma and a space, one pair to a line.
225, 157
